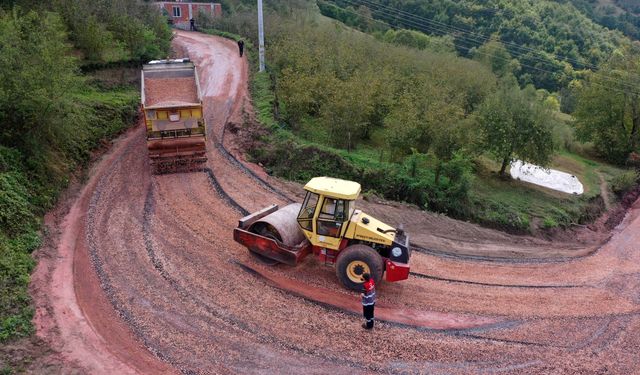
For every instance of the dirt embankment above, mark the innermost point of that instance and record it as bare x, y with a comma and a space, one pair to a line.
144, 277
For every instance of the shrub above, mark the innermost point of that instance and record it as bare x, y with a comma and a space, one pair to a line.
624, 182
16, 264
549, 223
16, 211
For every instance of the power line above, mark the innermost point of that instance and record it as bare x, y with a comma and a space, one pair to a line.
480, 38
475, 35
445, 30
466, 48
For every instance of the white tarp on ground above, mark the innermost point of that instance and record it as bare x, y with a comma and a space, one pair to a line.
549, 178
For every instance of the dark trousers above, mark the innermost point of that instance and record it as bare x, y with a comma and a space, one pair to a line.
368, 315
241, 50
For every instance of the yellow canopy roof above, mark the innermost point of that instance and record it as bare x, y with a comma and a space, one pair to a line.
334, 187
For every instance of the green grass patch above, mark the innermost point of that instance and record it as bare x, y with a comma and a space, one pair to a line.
264, 99
511, 204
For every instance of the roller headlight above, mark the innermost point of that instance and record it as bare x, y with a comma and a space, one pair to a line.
396, 252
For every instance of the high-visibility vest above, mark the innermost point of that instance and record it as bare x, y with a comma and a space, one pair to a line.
369, 297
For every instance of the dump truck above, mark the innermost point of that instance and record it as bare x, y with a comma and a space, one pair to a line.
328, 225
172, 108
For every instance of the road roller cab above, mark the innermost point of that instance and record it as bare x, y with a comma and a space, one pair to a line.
328, 225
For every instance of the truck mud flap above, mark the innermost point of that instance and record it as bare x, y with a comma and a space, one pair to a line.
176, 147
177, 154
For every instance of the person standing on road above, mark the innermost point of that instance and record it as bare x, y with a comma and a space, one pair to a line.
368, 300
192, 24
241, 46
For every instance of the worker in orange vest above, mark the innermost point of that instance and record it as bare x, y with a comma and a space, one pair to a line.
368, 300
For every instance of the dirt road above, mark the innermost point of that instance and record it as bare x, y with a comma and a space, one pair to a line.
144, 277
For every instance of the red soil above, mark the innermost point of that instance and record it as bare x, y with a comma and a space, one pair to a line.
149, 261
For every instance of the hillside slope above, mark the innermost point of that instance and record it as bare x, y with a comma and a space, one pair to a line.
550, 40
622, 15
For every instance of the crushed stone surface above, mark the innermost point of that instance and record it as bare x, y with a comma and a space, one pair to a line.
148, 279
170, 91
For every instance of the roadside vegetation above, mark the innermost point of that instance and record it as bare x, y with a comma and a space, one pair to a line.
413, 121
52, 116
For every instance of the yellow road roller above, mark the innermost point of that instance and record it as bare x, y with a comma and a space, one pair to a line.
328, 225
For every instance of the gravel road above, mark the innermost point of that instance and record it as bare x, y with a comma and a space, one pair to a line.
145, 277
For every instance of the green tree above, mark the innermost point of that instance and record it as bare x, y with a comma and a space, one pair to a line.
450, 140
608, 111
37, 76
405, 127
516, 125
347, 111
495, 56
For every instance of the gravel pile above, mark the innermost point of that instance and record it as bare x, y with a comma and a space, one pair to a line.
170, 91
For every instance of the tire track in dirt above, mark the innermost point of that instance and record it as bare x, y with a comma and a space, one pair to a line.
214, 310
189, 184
449, 280
164, 244
460, 332
541, 260
322, 302
501, 260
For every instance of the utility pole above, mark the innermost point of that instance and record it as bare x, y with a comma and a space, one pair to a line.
260, 36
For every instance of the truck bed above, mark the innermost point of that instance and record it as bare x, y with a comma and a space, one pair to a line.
170, 92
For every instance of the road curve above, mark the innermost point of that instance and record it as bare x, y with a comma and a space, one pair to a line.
147, 279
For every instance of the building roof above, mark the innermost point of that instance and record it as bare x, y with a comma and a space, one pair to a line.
334, 187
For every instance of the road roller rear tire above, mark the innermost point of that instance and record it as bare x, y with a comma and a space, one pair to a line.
354, 261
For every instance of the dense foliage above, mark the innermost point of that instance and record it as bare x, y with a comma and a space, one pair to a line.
515, 125
113, 30
50, 120
550, 40
608, 112
623, 15
405, 122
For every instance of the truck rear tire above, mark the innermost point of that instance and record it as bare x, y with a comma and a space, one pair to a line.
356, 260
